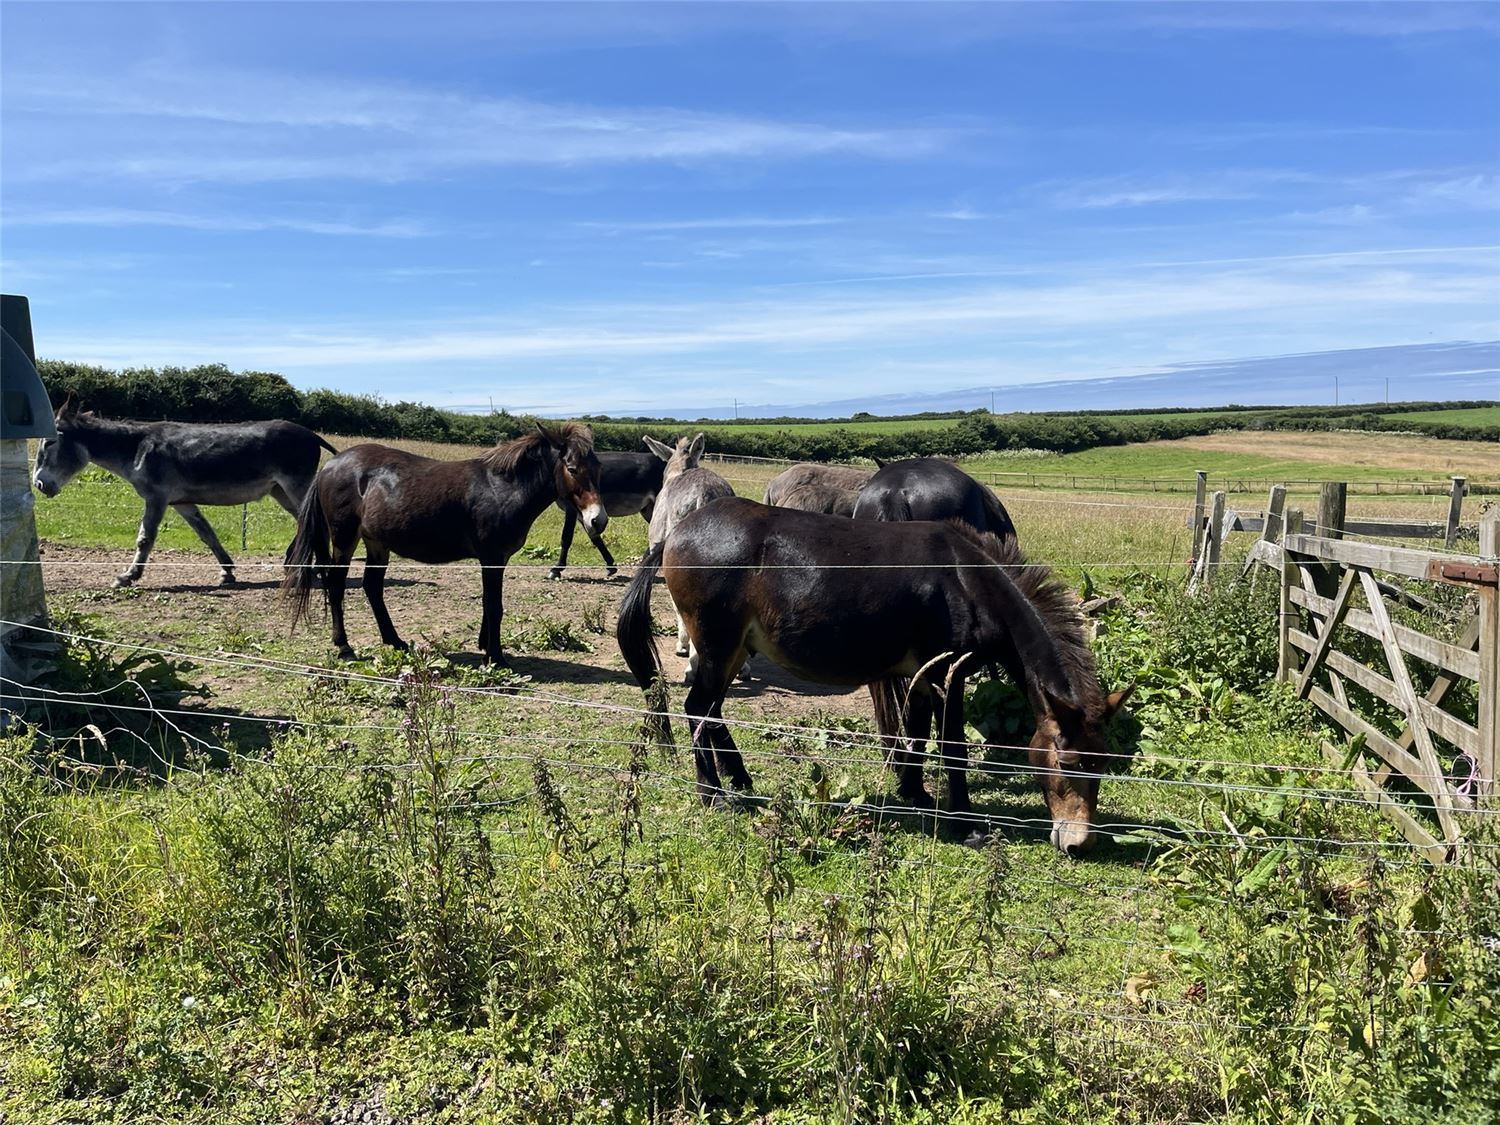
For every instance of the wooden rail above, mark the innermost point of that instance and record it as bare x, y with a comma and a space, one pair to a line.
1448, 763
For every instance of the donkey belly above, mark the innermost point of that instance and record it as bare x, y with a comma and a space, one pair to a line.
214, 492
439, 534
823, 656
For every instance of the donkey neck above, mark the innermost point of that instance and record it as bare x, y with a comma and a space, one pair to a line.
110, 444
535, 488
674, 469
1064, 634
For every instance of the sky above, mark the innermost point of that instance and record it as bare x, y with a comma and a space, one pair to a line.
701, 208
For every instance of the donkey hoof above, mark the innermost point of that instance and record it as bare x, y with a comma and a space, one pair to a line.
124, 580
228, 579
555, 573
611, 571
682, 650
346, 652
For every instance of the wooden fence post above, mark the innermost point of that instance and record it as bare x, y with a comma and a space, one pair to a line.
1214, 535
1332, 503
1200, 494
1489, 660
1275, 502
1286, 660
1455, 503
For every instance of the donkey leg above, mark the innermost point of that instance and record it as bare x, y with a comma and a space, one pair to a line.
609, 560
955, 745
145, 538
494, 611
910, 752
199, 523
335, 578
376, 561
570, 520
727, 754
702, 705
290, 498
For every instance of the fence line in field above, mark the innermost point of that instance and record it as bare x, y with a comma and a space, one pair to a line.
838, 736
678, 783
842, 739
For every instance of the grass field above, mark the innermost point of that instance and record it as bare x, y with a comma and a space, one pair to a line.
100, 510
1364, 458
897, 426
1474, 416
410, 888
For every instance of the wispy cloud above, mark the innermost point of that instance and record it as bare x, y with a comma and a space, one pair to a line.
1479, 192
127, 217
178, 126
739, 222
1303, 297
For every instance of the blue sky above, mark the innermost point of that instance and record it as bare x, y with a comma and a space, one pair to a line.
648, 208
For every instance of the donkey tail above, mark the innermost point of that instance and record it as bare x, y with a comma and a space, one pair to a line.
888, 696
638, 647
310, 549
324, 443
997, 519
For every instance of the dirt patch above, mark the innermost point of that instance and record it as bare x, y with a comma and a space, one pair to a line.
1373, 450
179, 607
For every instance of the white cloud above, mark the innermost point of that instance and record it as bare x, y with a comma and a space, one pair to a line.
128, 217
1478, 192
178, 126
1270, 299
739, 222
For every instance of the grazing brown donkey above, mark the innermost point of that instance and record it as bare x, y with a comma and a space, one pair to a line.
436, 512
843, 601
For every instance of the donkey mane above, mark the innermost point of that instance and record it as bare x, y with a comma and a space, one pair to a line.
508, 457
104, 437
1057, 605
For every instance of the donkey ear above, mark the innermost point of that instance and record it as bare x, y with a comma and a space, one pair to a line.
879, 464
695, 451
68, 408
1115, 700
663, 451
552, 437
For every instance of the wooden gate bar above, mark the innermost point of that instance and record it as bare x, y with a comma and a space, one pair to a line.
1489, 659
1325, 638
1460, 659
1408, 703
1458, 773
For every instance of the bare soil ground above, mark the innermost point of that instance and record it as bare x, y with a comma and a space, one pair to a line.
1386, 451
178, 606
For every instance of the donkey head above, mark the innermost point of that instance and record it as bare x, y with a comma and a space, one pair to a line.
575, 471
1069, 752
60, 459
686, 455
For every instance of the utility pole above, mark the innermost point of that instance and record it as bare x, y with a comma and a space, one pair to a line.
736, 410
1388, 390
992, 400
1335, 390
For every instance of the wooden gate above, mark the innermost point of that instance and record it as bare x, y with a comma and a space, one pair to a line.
1449, 763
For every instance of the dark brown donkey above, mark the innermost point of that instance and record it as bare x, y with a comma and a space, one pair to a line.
435, 512
844, 601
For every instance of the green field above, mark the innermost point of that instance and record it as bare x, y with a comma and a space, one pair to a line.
1473, 416
862, 426
1170, 462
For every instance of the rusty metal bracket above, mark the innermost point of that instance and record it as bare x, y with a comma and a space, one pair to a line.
1485, 574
